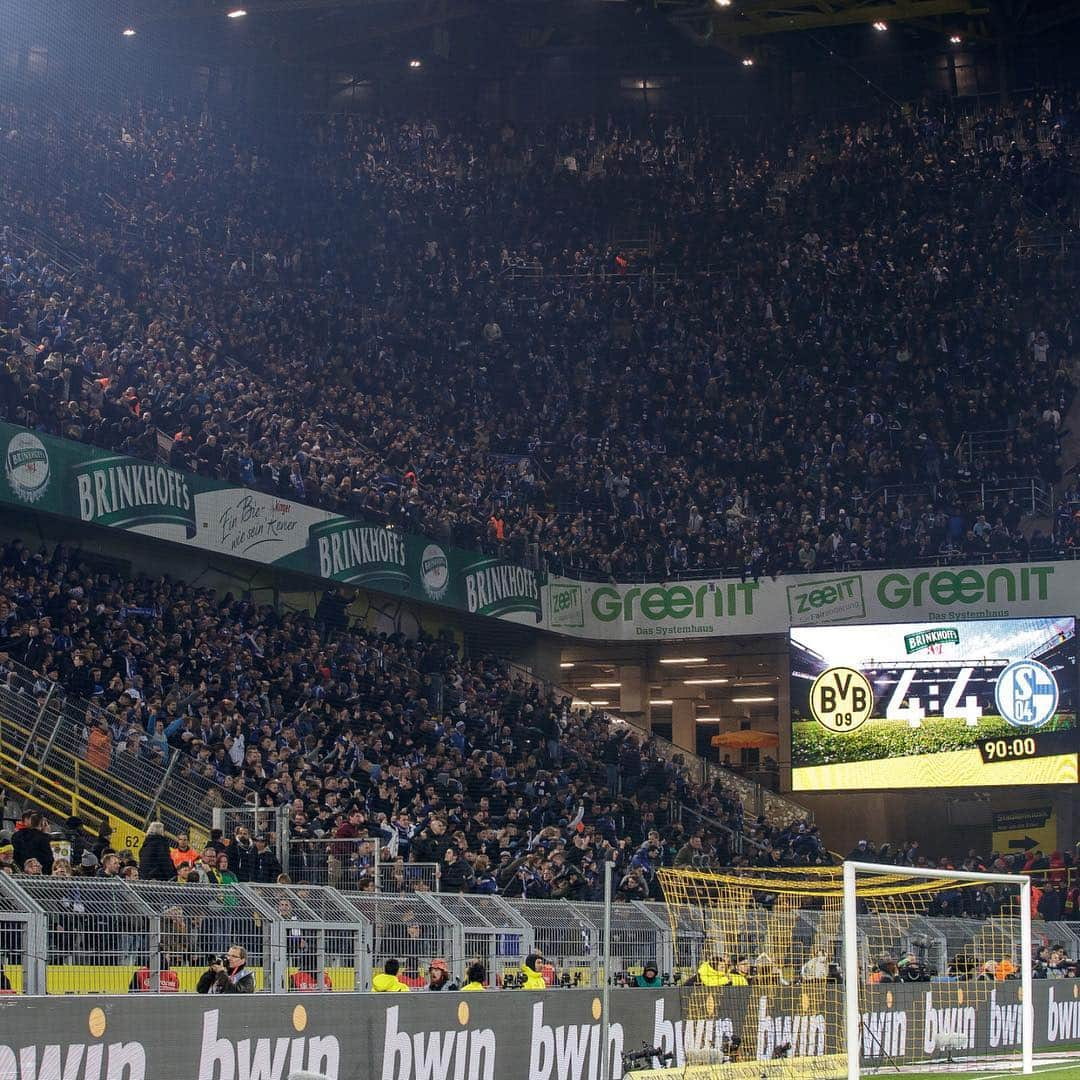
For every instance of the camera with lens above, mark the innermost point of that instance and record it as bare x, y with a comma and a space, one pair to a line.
912, 969
645, 1058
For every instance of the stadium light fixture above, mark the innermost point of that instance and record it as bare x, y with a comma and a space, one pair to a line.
566, 664
236, 13
605, 685
748, 61
723, 3
956, 39
881, 27
750, 700
128, 31
708, 719
414, 63
599, 702
685, 660
704, 682
660, 701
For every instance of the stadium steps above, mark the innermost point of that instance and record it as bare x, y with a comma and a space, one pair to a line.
755, 798
38, 780
45, 761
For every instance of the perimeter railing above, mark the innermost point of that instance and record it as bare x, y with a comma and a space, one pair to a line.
107, 935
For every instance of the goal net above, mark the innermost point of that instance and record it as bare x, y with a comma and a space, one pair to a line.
819, 972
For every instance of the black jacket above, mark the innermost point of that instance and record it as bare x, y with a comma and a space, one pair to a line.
155, 862
267, 867
218, 982
242, 861
33, 844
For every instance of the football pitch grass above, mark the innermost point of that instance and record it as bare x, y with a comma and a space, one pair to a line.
1055, 1067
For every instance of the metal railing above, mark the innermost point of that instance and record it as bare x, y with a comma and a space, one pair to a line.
1033, 495
755, 798
105, 935
72, 757
977, 444
358, 864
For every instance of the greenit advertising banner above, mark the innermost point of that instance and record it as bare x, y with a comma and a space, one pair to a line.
718, 608
79, 482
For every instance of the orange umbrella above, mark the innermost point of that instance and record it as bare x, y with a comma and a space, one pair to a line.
746, 740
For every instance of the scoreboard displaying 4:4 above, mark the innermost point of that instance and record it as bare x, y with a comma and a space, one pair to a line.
911, 705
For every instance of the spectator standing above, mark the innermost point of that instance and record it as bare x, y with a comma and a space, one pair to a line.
183, 854
267, 866
31, 841
99, 745
155, 856
242, 855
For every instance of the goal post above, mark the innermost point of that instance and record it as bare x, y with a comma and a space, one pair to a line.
853, 975
833, 972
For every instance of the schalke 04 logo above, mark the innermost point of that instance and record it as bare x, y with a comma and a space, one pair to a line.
1026, 694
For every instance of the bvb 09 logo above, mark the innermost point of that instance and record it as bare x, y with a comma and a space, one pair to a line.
841, 699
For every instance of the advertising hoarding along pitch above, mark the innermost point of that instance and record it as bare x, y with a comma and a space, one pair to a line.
509, 1035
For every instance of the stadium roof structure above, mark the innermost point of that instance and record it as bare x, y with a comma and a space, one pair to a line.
702, 21
314, 47
720, 22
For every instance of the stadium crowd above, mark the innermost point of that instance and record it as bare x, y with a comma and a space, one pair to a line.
378, 739
819, 313
440, 759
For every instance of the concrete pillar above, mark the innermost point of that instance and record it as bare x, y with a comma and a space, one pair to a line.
684, 702
544, 655
783, 729
634, 696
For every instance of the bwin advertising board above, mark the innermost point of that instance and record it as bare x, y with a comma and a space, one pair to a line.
491, 1036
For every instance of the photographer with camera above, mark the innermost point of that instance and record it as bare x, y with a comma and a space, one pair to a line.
912, 969
228, 974
649, 978
532, 972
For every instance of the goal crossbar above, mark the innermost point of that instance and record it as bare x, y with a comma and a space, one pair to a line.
851, 949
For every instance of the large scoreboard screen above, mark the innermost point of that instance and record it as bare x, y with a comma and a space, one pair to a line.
929, 705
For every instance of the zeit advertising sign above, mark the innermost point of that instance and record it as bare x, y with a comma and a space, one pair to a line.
76, 481
511, 1035
718, 608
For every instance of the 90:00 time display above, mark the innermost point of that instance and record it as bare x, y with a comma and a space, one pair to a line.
1003, 749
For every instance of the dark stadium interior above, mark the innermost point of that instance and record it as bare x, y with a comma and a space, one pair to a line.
613, 292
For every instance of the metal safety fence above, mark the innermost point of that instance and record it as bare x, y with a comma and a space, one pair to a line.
106, 935
64, 753
355, 864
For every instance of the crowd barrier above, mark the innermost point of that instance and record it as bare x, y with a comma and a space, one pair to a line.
65, 935
518, 1035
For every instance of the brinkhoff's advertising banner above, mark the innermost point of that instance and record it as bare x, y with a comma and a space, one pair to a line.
77, 481
496, 1035
697, 609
